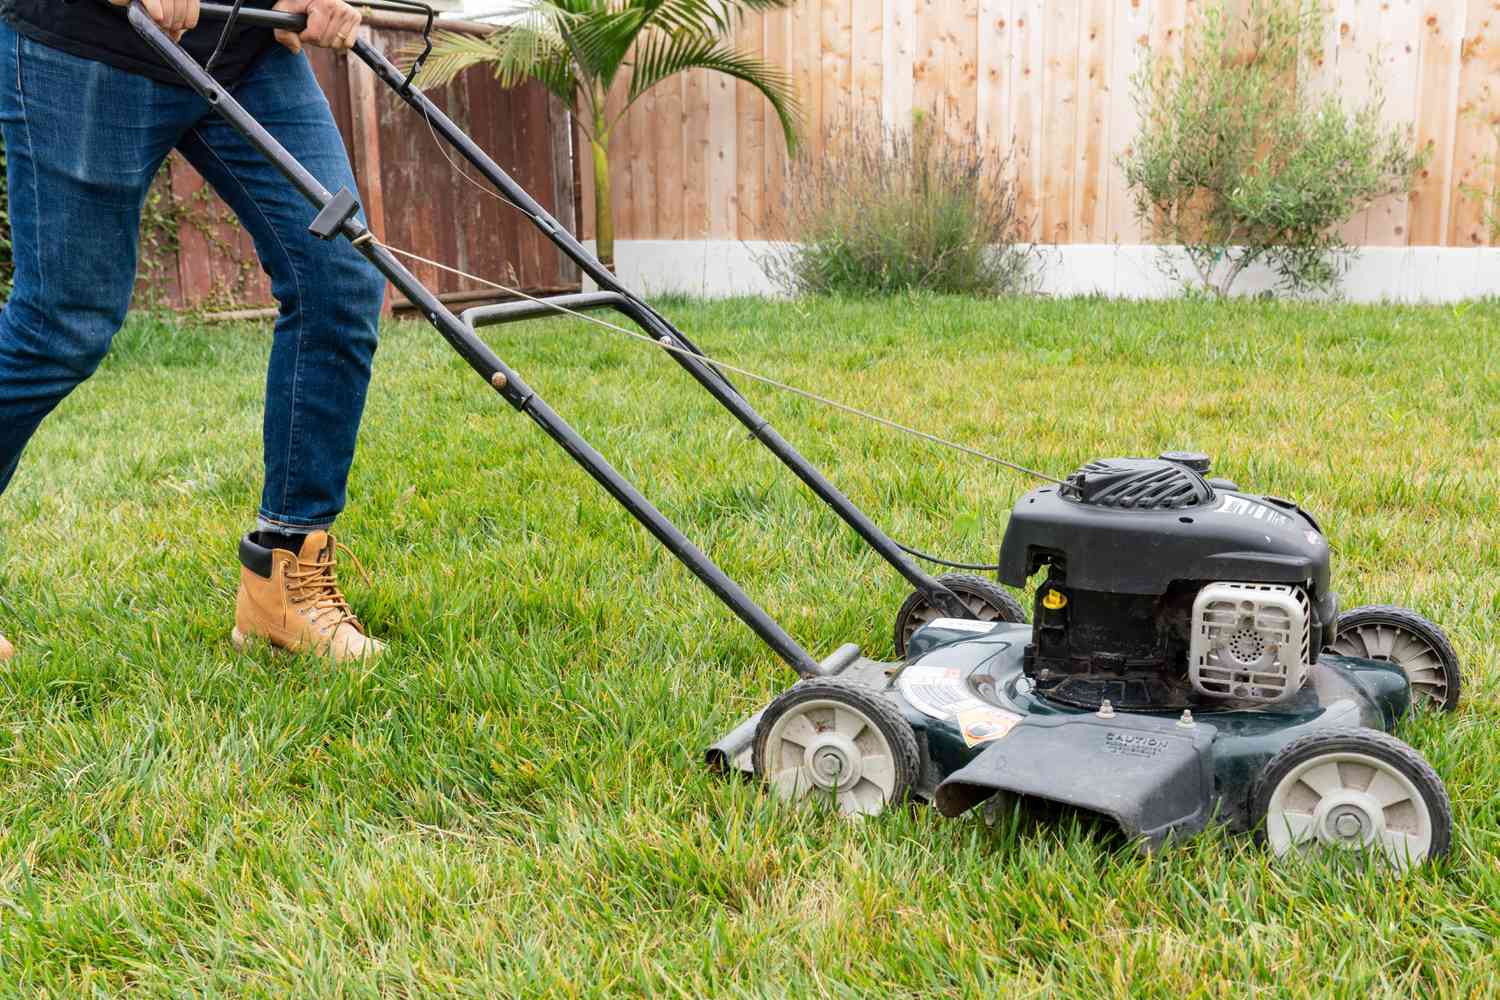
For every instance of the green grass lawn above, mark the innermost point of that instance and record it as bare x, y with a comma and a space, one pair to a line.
511, 803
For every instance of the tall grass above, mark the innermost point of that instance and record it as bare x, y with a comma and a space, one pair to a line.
512, 803
930, 207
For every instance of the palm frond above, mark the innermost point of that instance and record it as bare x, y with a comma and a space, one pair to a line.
715, 17
533, 34
452, 53
659, 55
602, 41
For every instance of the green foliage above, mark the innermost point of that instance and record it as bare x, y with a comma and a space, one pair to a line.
583, 50
1239, 162
513, 803
1487, 196
926, 208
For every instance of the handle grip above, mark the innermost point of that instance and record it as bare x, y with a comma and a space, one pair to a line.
255, 17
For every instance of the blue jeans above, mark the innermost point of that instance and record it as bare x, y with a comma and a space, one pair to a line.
83, 141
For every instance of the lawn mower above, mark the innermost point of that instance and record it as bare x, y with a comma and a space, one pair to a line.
1186, 661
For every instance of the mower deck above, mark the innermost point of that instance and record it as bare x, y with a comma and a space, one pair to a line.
981, 730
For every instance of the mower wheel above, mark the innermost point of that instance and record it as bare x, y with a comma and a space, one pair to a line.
985, 600
1353, 789
1403, 637
838, 739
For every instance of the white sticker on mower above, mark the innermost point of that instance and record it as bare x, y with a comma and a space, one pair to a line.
985, 723
936, 691
962, 625
1250, 508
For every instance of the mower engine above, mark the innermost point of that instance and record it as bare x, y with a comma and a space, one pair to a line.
1166, 590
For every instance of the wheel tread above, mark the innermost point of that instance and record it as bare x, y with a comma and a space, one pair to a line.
1428, 630
1366, 741
992, 593
879, 707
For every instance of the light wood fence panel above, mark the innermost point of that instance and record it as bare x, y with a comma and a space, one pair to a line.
1051, 82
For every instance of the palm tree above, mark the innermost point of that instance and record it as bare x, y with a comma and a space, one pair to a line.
580, 49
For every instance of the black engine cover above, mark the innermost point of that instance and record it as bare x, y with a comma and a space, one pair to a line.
1127, 544
1222, 535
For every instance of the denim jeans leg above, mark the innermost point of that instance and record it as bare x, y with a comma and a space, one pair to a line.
83, 141
329, 295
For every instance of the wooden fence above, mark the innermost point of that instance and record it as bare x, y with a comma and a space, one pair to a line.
414, 198
702, 156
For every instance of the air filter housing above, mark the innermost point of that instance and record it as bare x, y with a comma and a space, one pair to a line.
1251, 641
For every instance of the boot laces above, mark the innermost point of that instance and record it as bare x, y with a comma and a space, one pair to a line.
314, 584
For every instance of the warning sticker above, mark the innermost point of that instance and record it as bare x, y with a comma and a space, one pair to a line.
984, 723
933, 690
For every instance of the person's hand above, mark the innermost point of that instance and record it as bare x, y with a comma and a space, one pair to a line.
174, 16
331, 24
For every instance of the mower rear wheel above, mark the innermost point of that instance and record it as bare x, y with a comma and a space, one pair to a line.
1403, 637
985, 600
1356, 790
840, 740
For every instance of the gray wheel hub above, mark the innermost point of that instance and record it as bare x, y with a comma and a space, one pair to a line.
833, 762
1351, 801
831, 748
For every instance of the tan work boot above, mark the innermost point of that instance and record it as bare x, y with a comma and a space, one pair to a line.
292, 600
6, 649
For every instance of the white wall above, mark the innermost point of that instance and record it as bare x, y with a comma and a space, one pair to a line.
720, 268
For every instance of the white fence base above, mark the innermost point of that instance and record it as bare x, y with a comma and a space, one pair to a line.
721, 268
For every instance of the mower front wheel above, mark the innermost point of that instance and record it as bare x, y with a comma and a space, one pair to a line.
839, 740
1355, 790
1403, 637
984, 600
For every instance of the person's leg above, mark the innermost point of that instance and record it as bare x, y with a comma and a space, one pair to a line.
329, 295
82, 141
330, 299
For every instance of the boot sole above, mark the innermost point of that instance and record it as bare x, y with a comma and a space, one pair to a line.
245, 643
242, 643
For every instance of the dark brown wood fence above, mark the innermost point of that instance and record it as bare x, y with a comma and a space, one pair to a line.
414, 197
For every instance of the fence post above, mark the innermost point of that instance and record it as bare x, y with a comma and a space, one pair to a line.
364, 118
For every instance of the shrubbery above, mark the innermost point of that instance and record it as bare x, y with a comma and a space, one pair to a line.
882, 211
1238, 161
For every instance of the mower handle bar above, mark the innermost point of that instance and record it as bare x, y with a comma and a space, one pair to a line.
255, 17
337, 215
284, 20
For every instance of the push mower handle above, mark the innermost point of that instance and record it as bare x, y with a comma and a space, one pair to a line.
259, 17
254, 17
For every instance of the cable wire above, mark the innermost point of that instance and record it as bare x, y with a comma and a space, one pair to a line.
717, 364
754, 376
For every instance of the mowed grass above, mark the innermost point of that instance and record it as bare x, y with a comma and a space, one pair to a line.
512, 802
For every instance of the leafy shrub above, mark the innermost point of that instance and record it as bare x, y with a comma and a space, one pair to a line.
883, 211
1239, 163
1487, 197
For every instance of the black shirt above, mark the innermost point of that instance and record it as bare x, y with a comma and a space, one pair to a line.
98, 30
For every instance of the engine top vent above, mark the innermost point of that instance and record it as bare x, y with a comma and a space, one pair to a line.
1137, 484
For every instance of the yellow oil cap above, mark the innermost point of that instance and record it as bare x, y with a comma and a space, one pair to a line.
1054, 599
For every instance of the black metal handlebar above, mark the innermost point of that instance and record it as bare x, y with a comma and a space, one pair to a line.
281, 20
255, 17
337, 215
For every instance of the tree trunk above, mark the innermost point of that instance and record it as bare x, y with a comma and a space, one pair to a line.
604, 214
